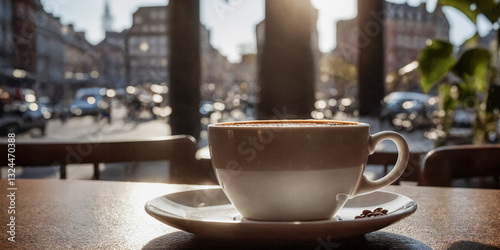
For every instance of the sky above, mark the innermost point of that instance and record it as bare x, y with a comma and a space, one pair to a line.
232, 22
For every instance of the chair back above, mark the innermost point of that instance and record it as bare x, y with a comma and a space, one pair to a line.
179, 150
444, 164
386, 159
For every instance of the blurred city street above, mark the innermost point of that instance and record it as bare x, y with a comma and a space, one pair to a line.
94, 129
90, 128
69, 84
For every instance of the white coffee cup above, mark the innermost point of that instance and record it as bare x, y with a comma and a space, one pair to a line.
297, 170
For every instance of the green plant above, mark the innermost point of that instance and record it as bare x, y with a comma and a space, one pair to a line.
470, 75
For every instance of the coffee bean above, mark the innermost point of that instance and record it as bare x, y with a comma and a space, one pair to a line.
368, 213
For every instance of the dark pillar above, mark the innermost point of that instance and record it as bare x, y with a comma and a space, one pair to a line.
287, 67
184, 66
371, 78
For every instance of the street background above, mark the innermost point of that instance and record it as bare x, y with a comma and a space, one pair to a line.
92, 129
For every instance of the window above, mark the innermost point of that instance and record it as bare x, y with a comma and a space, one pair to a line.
144, 46
162, 14
162, 41
162, 28
138, 19
153, 14
401, 40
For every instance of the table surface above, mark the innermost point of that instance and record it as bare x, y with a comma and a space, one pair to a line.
52, 214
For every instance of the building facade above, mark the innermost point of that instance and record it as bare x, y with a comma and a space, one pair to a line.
18, 42
406, 31
79, 56
147, 44
110, 59
24, 31
50, 55
216, 70
6, 41
38, 52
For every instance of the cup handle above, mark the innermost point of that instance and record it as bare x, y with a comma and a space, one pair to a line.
367, 186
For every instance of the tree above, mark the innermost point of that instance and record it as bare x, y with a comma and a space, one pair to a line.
474, 71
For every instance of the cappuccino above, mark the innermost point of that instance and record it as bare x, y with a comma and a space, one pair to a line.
296, 170
288, 123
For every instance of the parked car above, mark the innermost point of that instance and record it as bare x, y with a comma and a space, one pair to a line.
87, 102
408, 110
463, 118
21, 110
11, 124
23, 117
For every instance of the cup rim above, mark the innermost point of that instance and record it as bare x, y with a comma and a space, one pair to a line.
239, 124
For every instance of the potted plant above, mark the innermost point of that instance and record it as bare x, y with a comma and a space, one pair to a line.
465, 81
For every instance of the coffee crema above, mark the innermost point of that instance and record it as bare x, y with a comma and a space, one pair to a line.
288, 123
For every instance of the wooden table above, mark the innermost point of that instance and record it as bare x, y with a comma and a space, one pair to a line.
54, 214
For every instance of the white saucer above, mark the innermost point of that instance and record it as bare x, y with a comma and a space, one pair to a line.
209, 213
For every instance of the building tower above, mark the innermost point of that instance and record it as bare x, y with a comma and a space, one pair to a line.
107, 19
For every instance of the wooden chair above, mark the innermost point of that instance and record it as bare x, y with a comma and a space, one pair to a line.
179, 150
444, 164
386, 159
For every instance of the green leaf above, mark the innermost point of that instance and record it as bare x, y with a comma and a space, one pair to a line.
491, 11
473, 41
463, 6
489, 8
434, 62
493, 73
447, 103
473, 67
467, 95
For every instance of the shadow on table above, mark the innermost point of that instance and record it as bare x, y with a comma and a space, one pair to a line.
471, 245
374, 240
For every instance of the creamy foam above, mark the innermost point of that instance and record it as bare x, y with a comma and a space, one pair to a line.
288, 124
